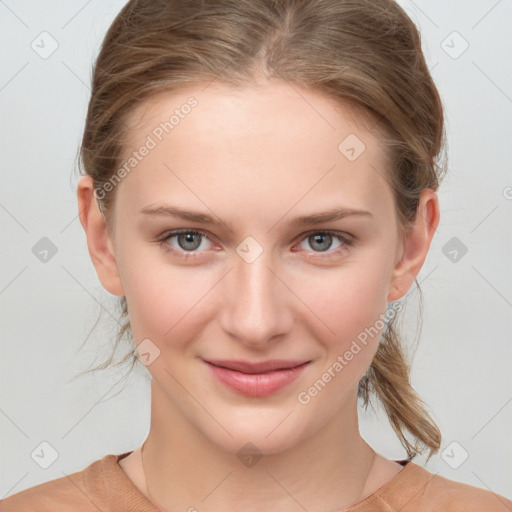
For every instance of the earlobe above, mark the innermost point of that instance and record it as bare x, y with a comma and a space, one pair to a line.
416, 244
101, 248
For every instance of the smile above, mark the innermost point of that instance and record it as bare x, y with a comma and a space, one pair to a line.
256, 379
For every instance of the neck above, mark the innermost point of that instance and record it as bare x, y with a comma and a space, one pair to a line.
184, 470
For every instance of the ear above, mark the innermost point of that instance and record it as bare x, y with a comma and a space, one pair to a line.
99, 241
414, 245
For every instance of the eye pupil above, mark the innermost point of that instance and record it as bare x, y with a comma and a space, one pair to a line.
324, 239
186, 238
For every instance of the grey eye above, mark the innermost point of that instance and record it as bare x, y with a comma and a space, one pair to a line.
189, 241
323, 241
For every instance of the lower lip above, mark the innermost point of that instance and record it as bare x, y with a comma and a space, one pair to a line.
257, 384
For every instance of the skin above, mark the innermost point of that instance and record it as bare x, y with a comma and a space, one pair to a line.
255, 157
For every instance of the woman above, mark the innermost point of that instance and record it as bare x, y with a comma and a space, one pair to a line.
260, 190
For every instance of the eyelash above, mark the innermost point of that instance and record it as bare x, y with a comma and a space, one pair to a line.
164, 242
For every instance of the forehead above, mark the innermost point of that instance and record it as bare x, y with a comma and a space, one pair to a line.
262, 106
272, 139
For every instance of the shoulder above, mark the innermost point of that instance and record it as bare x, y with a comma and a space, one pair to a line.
429, 492
457, 496
82, 491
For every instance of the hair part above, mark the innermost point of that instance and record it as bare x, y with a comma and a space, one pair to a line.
364, 54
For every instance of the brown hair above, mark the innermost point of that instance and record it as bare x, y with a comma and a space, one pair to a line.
362, 53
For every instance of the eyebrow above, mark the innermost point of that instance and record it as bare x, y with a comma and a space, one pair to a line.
205, 218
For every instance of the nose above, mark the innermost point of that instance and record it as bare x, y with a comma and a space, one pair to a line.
257, 306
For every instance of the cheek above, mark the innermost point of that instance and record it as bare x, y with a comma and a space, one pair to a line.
162, 298
351, 301
348, 304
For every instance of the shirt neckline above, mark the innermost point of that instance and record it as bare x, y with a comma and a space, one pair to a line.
404, 474
133, 499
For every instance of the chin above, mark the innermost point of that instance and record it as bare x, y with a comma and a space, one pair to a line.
254, 431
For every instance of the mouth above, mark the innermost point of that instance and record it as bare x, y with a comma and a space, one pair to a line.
256, 378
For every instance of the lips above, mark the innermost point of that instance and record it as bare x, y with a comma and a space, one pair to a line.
256, 379
256, 367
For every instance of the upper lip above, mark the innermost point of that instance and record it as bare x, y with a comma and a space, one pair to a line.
255, 367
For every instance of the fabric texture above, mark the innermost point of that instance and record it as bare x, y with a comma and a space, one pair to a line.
103, 486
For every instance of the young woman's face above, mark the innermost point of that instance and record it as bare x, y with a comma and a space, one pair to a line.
257, 284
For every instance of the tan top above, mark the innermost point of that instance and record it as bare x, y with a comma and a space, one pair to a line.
103, 486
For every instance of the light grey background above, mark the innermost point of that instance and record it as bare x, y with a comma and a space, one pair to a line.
461, 363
